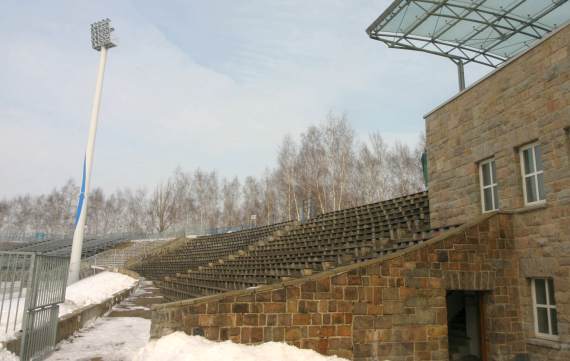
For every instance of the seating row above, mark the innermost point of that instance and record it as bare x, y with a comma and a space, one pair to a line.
251, 258
185, 253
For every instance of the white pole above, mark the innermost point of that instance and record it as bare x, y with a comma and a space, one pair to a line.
461, 75
76, 248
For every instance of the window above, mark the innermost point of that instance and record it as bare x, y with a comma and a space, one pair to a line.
489, 185
532, 173
545, 317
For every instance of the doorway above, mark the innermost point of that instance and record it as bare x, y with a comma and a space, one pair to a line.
465, 326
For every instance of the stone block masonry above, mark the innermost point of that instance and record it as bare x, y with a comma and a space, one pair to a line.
524, 101
390, 308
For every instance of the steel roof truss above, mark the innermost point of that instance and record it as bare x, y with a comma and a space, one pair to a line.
500, 24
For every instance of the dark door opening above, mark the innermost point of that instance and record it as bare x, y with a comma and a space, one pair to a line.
464, 325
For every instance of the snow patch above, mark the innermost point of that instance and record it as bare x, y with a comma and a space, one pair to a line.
12, 313
108, 338
146, 240
93, 290
6, 355
180, 347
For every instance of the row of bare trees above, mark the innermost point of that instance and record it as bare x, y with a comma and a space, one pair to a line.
327, 165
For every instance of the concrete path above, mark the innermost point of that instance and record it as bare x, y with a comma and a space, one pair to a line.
117, 336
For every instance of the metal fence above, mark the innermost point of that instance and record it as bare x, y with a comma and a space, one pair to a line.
31, 288
35, 236
19, 240
60, 245
119, 257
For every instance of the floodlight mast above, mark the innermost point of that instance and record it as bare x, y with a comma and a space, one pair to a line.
100, 41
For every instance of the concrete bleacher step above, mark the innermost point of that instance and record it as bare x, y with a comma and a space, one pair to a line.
213, 264
139, 303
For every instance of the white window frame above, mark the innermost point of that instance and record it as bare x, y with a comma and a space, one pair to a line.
547, 306
533, 174
494, 184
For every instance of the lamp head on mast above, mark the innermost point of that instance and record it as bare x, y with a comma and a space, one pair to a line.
101, 35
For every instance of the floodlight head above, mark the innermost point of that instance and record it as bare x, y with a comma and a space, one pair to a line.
101, 35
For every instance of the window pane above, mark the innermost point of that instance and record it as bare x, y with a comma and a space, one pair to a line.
530, 189
540, 289
538, 156
554, 320
488, 206
496, 195
528, 161
540, 177
485, 168
493, 172
542, 319
551, 292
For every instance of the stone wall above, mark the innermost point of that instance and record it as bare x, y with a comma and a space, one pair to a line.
526, 100
543, 247
389, 308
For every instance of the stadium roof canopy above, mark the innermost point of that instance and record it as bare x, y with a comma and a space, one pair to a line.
487, 32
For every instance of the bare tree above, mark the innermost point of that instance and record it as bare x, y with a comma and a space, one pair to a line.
338, 143
135, 219
4, 212
206, 195
231, 197
270, 196
327, 165
162, 206
286, 160
312, 170
372, 180
182, 182
405, 169
252, 199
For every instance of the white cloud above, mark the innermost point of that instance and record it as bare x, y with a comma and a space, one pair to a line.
167, 102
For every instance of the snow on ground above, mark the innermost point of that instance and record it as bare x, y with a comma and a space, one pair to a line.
11, 313
108, 339
88, 291
6, 355
8, 325
180, 347
94, 289
152, 239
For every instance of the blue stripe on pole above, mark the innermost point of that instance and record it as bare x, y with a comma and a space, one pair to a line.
81, 196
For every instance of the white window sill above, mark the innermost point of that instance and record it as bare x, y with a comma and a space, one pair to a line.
544, 342
528, 208
535, 204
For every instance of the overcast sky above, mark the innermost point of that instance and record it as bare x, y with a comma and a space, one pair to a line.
209, 84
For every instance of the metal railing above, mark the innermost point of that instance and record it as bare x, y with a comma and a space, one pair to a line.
31, 288
27, 239
120, 256
15, 281
221, 230
61, 244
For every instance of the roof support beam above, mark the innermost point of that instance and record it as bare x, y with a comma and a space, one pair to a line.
527, 24
403, 25
456, 21
475, 31
424, 17
461, 75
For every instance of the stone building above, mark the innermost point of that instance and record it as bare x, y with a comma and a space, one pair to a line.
504, 144
497, 287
